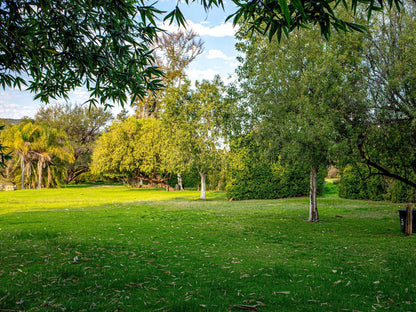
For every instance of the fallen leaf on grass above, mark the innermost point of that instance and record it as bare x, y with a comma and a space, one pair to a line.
281, 293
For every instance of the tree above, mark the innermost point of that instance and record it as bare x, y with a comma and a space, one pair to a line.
300, 89
195, 119
173, 53
20, 139
82, 125
4, 156
382, 131
50, 145
132, 150
60, 45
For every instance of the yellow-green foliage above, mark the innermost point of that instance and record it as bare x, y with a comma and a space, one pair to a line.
131, 148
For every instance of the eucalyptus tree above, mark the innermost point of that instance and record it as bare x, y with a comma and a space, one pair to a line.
173, 53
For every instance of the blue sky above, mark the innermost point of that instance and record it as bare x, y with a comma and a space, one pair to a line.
219, 57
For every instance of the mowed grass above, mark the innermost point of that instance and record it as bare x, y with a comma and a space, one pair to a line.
152, 250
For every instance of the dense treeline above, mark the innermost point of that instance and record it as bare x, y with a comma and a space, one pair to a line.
59, 140
299, 106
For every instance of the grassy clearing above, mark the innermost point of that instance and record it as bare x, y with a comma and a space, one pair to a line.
148, 250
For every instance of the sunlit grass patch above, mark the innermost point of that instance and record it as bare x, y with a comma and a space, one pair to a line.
109, 249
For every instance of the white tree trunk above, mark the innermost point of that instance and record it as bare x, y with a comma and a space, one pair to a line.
180, 182
313, 207
203, 185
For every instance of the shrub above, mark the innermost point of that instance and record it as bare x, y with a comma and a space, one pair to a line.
400, 192
356, 183
253, 175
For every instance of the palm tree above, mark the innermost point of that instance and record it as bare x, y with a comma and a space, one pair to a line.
51, 143
19, 139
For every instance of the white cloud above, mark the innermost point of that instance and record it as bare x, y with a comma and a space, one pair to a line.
11, 110
79, 95
202, 29
195, 74
218, 54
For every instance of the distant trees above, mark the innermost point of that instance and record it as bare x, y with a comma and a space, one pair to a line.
56, 147
187, 135
82, 125
36, 146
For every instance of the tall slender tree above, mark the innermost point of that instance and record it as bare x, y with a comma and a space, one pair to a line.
195, 119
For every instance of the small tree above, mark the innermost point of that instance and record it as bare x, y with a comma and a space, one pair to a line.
195, 119
300, 90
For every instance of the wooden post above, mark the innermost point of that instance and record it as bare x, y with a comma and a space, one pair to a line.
409, 220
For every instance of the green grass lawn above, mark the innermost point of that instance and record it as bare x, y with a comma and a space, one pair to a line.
152, 250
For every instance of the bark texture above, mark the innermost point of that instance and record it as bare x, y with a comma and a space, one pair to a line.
203, 185
180, 185
313, 207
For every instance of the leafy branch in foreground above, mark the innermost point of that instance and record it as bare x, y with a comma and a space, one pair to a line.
61, 45
280, 17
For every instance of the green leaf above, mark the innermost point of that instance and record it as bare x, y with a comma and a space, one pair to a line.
285, 10
299, 6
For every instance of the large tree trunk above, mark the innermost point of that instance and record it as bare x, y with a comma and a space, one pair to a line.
203, 185
313, 207
23, 167
180, 185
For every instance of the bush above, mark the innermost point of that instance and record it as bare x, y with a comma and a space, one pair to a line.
356, 184
400, 192
253, 175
